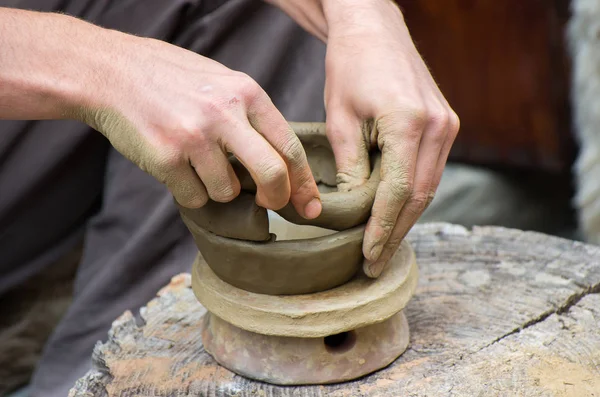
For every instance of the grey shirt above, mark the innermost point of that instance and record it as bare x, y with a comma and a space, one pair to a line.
61, 183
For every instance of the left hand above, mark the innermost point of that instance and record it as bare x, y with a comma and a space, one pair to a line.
379, 92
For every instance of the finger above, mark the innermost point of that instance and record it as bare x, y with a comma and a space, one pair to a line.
216, 173
268, 121
350, 148
430, 149
186, 187
453, 128
399, 139
265, 165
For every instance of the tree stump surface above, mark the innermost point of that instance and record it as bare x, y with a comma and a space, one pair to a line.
498, 312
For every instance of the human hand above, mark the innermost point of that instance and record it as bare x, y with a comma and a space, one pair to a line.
379, 93
177, 115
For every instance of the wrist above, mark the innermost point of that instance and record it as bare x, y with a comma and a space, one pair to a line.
359, 16
88, 69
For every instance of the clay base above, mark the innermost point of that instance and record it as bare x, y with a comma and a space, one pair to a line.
302, 361
360, 302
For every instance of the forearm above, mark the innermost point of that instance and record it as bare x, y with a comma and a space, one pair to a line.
47, 63
319, 17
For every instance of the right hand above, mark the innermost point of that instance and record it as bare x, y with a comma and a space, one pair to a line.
177, 115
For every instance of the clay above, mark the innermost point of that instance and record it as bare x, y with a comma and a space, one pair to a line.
234, 237
251, 221
303, 361
360, 302
283, 267
341, 210
318, 151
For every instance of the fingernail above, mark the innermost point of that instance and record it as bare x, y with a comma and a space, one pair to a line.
313, 209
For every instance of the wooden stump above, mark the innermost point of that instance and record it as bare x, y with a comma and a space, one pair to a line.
498, 312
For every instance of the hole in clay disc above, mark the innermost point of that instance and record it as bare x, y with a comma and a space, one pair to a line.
340, 343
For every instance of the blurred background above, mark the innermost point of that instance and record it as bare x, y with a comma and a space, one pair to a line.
504, 67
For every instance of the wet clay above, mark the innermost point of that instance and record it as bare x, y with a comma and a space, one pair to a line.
251, 221
283, 267
360, 302
341, 210
235, 241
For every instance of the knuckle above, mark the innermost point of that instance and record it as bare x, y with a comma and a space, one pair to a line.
223, 193
454, 123
394, 241
248, 88
410, 120
187, 195
292, 150
439, 123
184, 132
197, 139
417, 204
419, 201
212, 111
418, 116
387, 224
196, 201
348, 179
170, 159
401, 189
272, 173
439, 120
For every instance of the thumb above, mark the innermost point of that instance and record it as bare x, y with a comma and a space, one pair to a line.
351, 151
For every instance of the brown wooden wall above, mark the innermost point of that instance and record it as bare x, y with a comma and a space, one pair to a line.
503, 66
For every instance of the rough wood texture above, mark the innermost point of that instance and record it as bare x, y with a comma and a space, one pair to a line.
498, 312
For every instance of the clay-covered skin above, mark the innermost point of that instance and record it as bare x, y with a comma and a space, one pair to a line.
341, 210
283, 267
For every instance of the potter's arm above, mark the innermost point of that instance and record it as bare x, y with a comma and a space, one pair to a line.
176, 119
380, 94
45, 63
316, 16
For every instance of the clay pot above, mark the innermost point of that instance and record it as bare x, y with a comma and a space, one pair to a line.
235, 241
